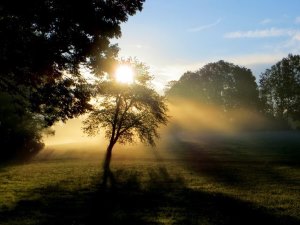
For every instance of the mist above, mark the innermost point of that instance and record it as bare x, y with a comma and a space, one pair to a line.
192, 117
69, 141
189, 121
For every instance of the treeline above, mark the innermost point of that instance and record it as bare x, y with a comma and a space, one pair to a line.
230, 87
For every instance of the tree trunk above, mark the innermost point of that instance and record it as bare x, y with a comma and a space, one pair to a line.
106, 169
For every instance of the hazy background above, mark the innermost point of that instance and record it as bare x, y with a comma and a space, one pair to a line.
188, 122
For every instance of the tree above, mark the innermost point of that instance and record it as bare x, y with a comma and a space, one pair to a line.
126, 112
280, 89
221, 83
44, 44
188, 86
20, 130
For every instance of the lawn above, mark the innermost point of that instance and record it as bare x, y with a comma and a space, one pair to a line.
250, 178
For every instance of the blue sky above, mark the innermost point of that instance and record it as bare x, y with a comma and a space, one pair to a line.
174, 36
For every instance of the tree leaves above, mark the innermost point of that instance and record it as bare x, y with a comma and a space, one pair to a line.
43, 46
221, 83
280, 88
41, 41
128, 111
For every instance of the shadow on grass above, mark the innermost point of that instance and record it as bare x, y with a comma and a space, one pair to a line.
237, 161
158, 199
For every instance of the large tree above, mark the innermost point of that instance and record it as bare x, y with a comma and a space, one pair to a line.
127, 111
280, 88
43, 44
221, 83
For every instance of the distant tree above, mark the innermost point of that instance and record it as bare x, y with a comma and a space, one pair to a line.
280, 89
188, 86
221, 83
126, 112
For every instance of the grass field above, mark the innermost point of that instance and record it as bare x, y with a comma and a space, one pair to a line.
251, 178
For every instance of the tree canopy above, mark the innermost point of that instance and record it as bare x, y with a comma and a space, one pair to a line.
127, 111
280, 88
221, 83
44, 43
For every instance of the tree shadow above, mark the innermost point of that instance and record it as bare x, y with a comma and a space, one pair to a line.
207, 162
238, 161
154, 198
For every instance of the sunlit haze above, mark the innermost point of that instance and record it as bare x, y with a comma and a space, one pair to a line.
175, 36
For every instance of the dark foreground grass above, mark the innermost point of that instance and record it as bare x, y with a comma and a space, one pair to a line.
212, 179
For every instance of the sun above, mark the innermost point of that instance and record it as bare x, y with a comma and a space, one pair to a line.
124, 74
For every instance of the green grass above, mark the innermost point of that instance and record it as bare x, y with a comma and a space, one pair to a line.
212, 179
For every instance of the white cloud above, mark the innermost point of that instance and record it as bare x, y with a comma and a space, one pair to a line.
297, 20
271, 32
292, 44
266, 21
296, 37
256, 59
204, 27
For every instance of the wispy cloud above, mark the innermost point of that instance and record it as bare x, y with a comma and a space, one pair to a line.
141, 46
204, 27
271, 32
256, 59
297, 20
296, 37
266, 21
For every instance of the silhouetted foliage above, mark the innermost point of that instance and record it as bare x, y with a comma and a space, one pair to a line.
43, 41
43, 47
127, 111
280, 89
20, 130
221, 83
